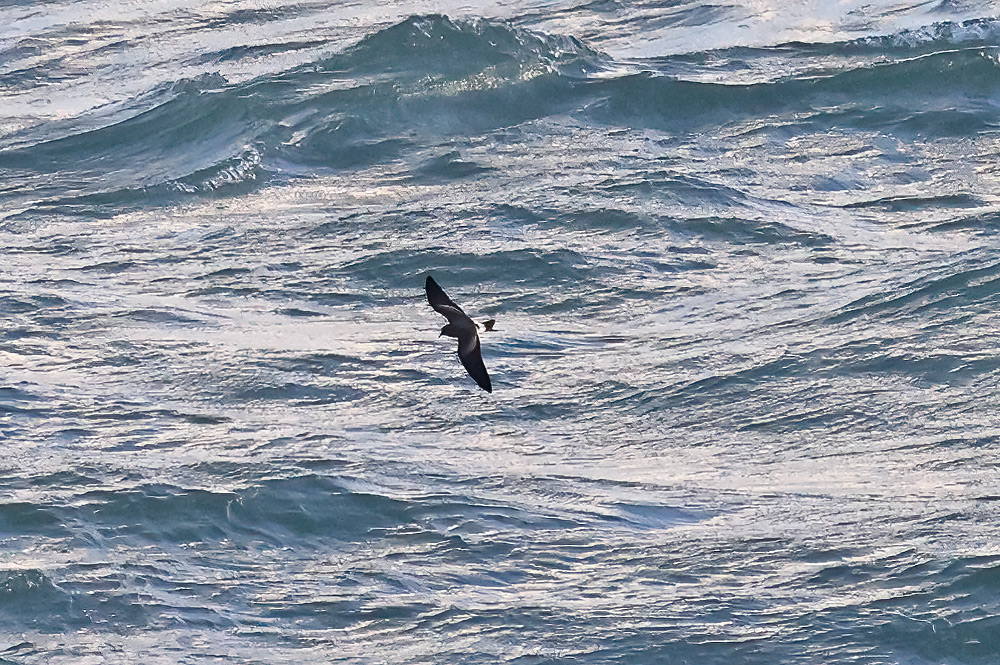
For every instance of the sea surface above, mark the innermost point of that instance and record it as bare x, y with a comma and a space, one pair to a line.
744, 259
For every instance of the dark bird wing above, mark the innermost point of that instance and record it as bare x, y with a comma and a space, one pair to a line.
438, 299
472, 360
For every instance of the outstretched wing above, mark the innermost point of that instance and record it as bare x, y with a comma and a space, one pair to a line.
472, 360
438, 299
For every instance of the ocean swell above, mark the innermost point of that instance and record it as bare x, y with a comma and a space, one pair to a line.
392, 98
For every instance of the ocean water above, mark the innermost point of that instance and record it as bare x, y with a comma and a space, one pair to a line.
745, 264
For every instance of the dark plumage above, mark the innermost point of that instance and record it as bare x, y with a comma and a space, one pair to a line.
463, 328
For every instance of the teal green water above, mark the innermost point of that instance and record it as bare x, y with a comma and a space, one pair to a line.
745, 268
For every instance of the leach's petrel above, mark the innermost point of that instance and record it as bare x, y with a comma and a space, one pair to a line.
462, 327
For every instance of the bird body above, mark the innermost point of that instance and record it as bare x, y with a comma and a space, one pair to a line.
461, 327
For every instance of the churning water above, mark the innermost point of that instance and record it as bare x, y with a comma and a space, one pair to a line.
745, 263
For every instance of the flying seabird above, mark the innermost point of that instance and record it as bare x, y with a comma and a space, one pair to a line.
462, 327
